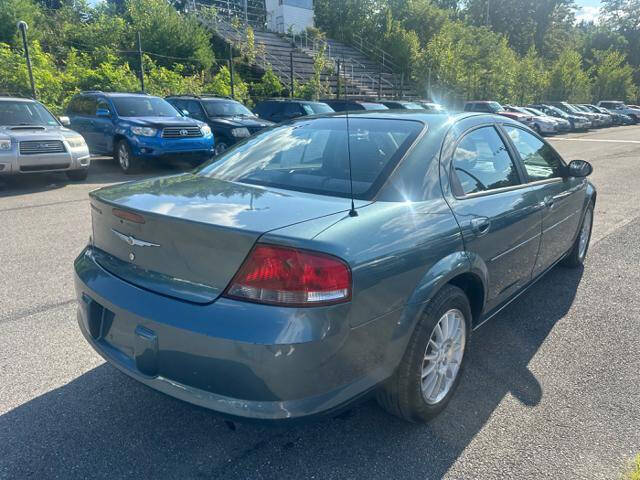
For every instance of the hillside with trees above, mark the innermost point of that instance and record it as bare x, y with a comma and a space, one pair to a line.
514, 51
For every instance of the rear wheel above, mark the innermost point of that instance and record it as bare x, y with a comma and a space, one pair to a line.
220, 147
128, 163
430, 369
578, 252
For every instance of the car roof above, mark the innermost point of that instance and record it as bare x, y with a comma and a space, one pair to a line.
17, 99
117, 94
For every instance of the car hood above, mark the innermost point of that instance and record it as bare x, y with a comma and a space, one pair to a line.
514, 115
239, 121
159, 122
36, 132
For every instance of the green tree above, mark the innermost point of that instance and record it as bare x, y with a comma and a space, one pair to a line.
531, 79
567, 80
612, 76
268, 86
11, 12
220, 84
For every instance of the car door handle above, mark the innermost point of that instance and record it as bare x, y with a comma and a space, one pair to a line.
549, 202
480, 225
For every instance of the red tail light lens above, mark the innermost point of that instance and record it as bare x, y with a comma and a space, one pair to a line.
291, 277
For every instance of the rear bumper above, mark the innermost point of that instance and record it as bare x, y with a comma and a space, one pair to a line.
240, 359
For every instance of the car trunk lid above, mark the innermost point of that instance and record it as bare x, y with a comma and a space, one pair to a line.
187, 235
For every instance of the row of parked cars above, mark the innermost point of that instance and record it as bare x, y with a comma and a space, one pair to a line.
135, 127
557, 117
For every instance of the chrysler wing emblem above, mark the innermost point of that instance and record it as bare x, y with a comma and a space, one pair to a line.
133, 241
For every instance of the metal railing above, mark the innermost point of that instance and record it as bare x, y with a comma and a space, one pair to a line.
383, 57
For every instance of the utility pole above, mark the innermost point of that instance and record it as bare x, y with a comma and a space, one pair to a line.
233, 92
488, 6
141, 62
22, 26
338, 79
292, 93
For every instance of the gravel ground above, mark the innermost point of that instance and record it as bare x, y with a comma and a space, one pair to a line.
551, 389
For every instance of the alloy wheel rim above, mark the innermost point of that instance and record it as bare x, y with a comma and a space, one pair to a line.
585, 233
123, 157
443, 356
221, 147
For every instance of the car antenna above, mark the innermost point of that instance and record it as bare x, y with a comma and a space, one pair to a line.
352, 212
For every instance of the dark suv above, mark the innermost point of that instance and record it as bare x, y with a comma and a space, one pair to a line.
281, 110
229, 120
134, 127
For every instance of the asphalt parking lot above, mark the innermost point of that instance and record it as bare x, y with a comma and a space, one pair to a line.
551, 389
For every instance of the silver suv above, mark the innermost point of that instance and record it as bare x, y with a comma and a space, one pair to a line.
32, 140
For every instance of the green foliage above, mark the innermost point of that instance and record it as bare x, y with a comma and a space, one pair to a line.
11, 12
634, 470
315, 87
220, 84
568, 81
612, 77
268, 86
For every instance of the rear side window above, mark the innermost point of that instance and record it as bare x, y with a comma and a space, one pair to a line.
314, 108
481, 163
311, 156
540, 161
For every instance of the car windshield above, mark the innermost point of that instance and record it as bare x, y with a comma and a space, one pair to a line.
495, 107
316, 107
373, 106
535, 111
311, 156
217, 108
25, 113
520, 110
571, 108
557, 111
144, 107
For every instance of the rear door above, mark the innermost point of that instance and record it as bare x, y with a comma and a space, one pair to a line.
102, 127
562, 199
498, 214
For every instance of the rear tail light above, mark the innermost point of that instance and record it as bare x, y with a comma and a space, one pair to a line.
291, 277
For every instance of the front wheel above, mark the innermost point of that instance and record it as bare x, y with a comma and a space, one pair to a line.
578, 251
220, 147
128, 163
430, 369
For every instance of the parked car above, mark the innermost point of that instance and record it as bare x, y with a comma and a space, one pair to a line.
604, 119
278, 110
616, 118
229, 120
315, 263
543, 125
432, 107
594, 119
620, 107
401, 105
342, 105
33, 140
578, 122
496, 108
564, 125
135, 127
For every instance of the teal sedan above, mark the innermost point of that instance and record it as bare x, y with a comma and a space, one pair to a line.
327, 259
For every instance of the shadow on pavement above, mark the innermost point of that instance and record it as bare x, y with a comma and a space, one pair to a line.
104, 424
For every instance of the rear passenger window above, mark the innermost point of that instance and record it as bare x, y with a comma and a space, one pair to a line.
481, 163
540, 161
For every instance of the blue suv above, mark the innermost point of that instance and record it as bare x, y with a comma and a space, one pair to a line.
136, 127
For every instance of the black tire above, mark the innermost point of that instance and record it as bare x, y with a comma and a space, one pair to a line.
401, 395
130, 164
78, 175
536, 127
576, 256
220, 147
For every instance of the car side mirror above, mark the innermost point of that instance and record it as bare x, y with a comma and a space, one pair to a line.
65, 121
102, 112
579, 168
185, 112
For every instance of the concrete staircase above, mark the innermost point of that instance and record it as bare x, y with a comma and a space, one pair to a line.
360, 76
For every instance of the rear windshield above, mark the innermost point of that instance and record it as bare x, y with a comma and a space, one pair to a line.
311, 156
314, 108
373, 106
144, 107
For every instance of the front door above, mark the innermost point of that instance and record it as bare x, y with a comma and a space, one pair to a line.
562, 198
498, 214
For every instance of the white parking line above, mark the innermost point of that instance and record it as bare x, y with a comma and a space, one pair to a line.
594, 140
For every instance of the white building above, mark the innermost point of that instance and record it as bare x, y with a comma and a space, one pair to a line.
289, 15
